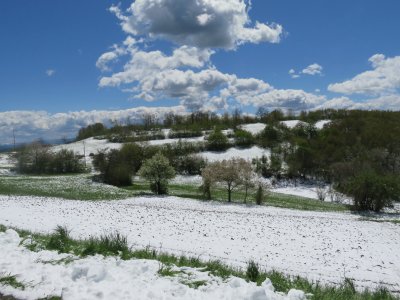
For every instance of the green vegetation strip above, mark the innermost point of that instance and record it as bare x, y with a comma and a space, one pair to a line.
116, 245
74, 187
81, 187
220, 194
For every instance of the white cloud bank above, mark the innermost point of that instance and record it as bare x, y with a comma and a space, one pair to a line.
196, 29
384, 78
199, 23
30, 125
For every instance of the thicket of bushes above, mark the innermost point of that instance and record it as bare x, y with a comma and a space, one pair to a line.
37, 158
354, 150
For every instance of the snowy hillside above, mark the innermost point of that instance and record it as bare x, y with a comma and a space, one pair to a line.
325, 247
111, 278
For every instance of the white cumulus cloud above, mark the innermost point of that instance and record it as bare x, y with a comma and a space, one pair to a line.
199, 23
314, 69
384, 78
30, 125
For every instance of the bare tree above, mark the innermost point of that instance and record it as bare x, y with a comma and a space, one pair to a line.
246, 176
230, 173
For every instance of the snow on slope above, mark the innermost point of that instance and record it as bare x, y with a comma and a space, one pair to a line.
254, 129
111, 278
293, 123
88, 146
325, 247
6, 163
322, 123
247, 154
172, 141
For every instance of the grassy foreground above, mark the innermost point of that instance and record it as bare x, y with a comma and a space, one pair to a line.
220, 194
74, 187
81, 187
117, 245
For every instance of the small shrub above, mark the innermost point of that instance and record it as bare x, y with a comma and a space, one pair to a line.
260, 195
60, 240
217, 141
243, 139
184, 134
372, 191
109, 244
115, 167
321, 193
190, 164
252, 271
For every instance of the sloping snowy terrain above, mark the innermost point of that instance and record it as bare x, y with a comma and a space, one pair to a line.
324, 247
247, 154
87, 146
322, 123
6, 163
254, 129
111, 278
293, 123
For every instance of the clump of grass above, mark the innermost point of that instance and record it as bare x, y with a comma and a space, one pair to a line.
60, 240
107, 245
194, 284
281, 282
252, 271
217, 268
166, 271
3, 228
11, 280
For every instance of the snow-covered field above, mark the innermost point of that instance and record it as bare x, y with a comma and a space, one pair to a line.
6, 163
247, 154
325, 247
322, 123
293, 123
87, 146
255, 128
172, 141
111, 278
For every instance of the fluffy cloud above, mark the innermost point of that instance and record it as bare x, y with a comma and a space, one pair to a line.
199, 23
144, 64
29, 125
287, 99
384, 78
50, 72
293, 74
389, 102
187, 74
314, 69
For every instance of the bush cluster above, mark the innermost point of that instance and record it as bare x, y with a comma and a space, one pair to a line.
37, 158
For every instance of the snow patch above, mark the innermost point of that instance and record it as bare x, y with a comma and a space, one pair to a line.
247, 154
322, 246
97, 277
254, 129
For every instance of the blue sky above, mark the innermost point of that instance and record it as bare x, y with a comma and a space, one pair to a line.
49, 50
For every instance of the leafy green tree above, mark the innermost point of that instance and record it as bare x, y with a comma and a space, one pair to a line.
113, 168
372, 191
217, 141
243, 138
158, 171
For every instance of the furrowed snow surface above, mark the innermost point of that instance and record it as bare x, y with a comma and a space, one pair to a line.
97, 277
325, 247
